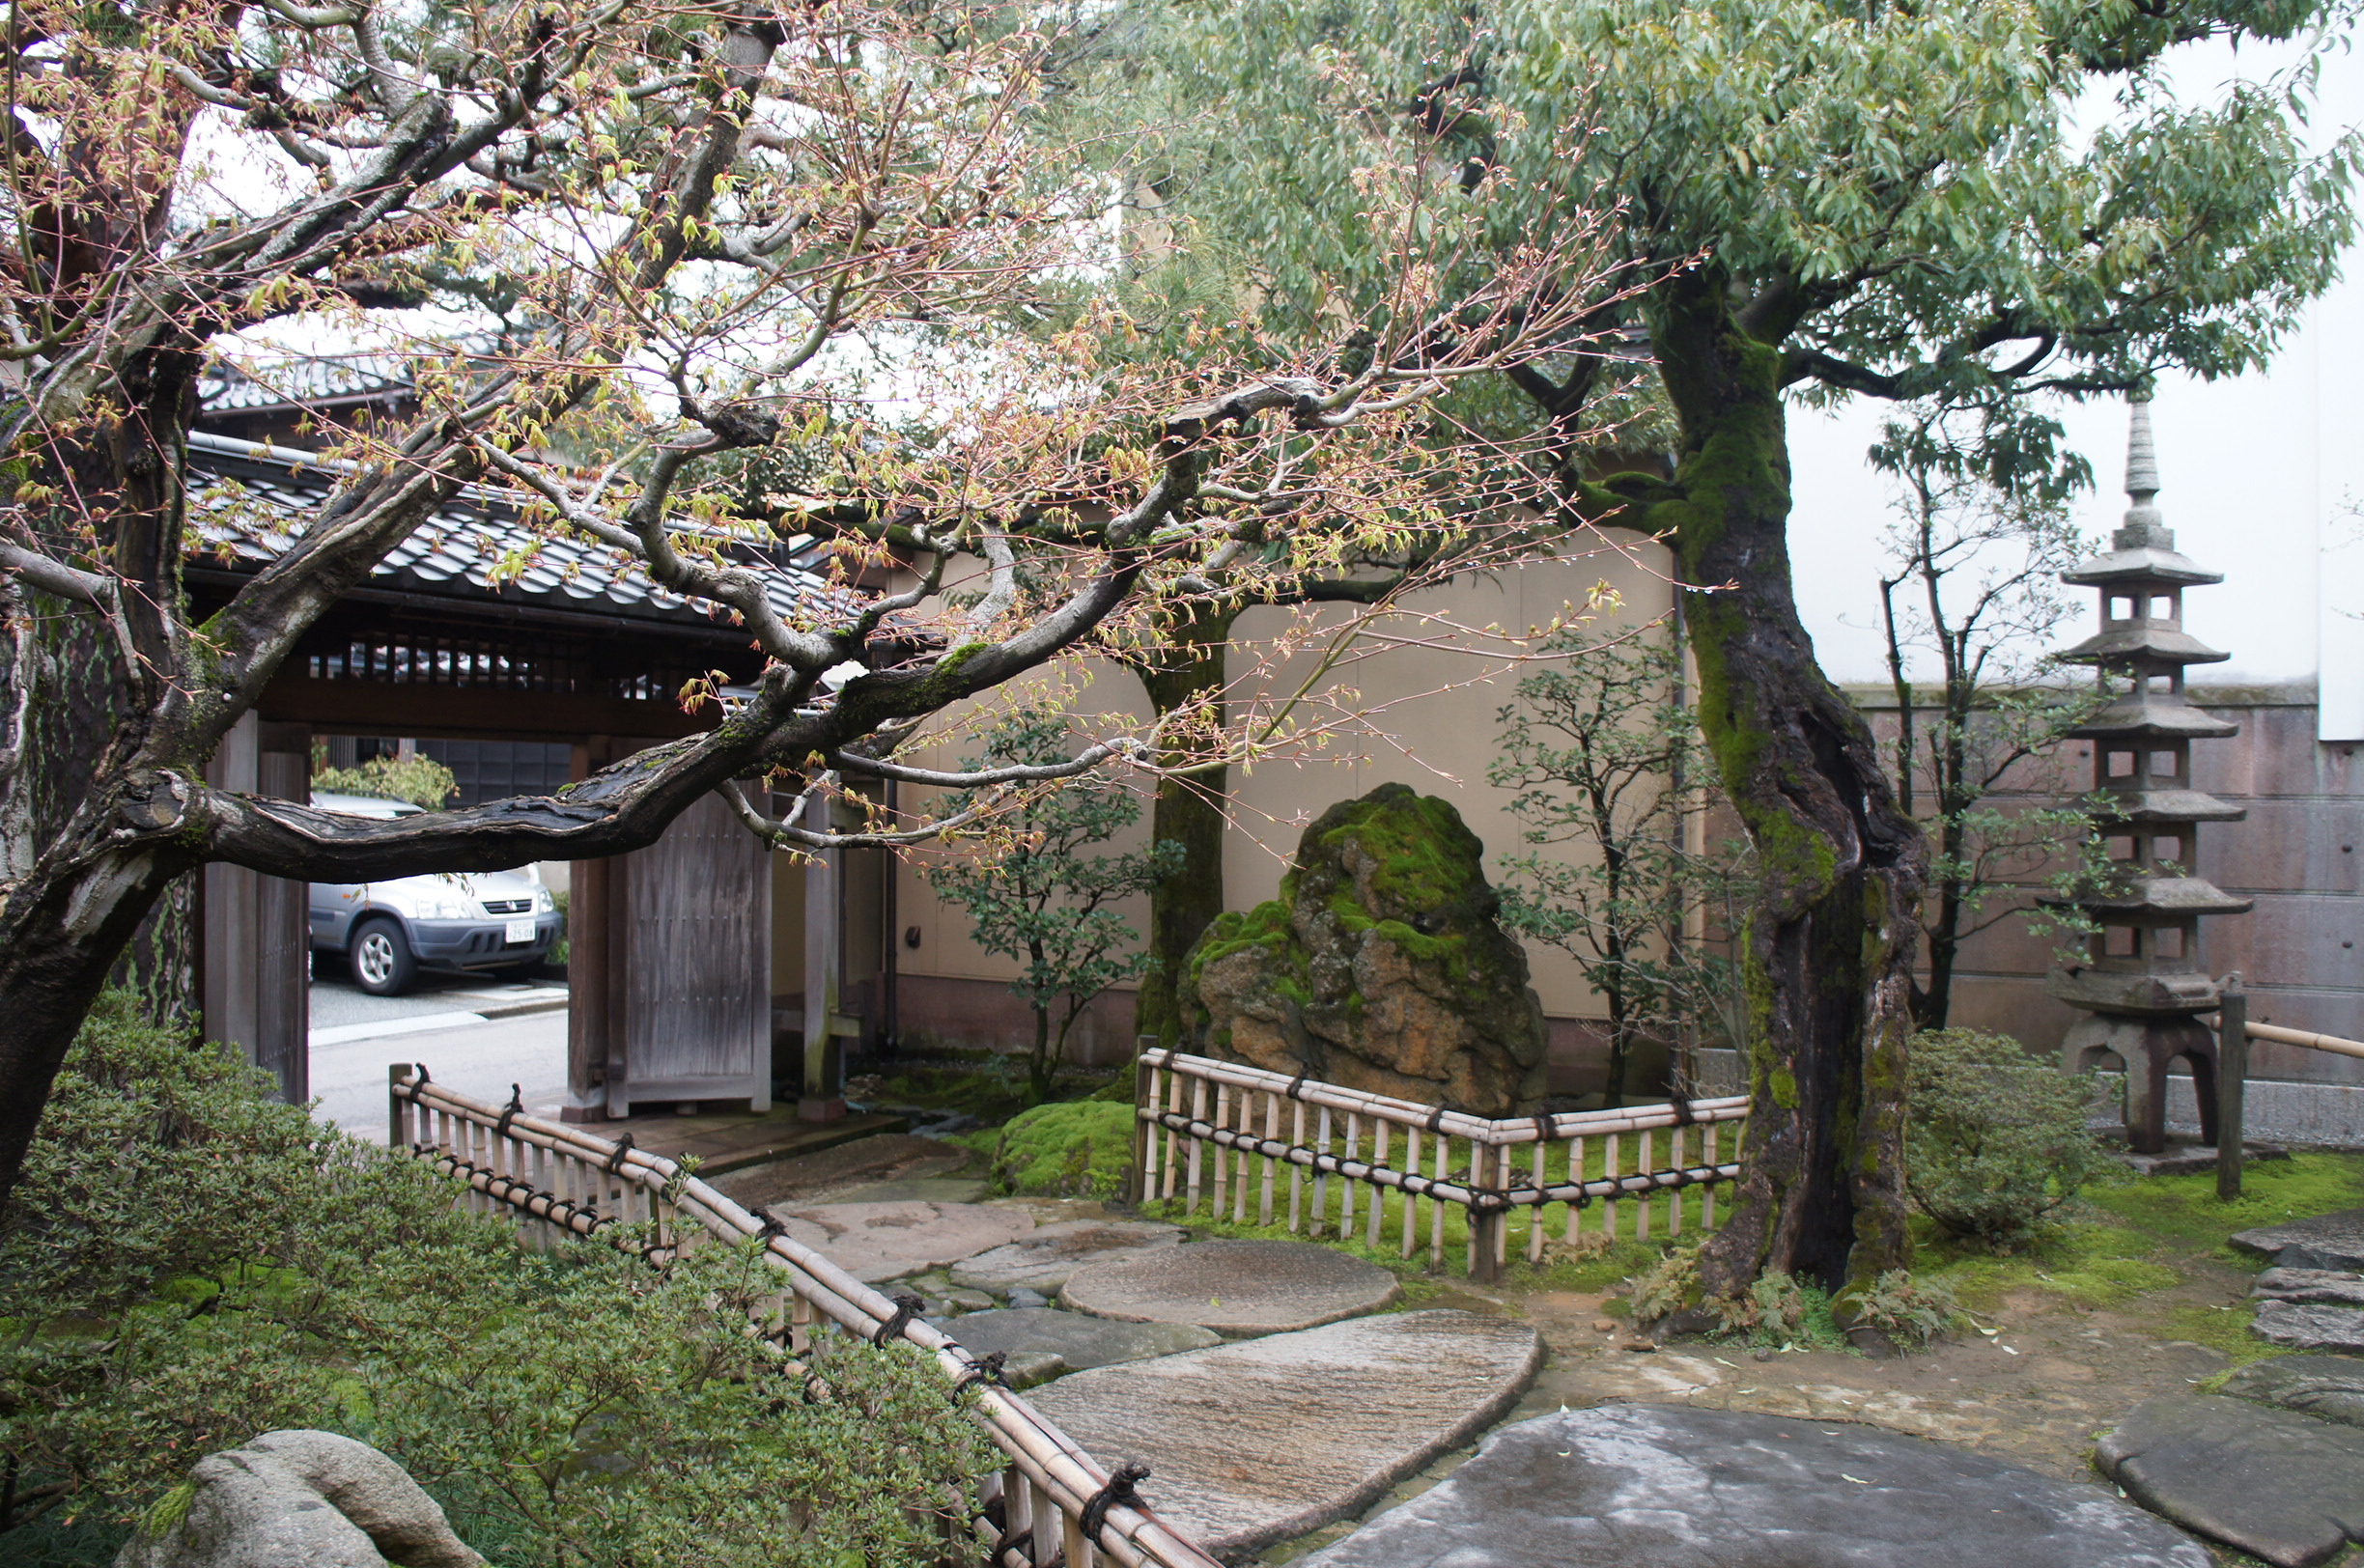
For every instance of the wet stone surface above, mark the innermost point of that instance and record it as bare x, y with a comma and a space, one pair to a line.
1257, 1442
2330, 1386
2326, 1286
1081, 1342
890, 1240
1043, 1261
2330, 1241
1235, 1288
2310, 1326
2282, 1486
1641, 1485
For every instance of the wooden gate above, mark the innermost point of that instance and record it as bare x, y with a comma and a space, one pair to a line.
690, 965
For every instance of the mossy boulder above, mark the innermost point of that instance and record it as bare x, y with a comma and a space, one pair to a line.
1380, 966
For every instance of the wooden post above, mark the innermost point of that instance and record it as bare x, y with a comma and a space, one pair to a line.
824, 1095
2232, 1068
1143, 1099
398, 1135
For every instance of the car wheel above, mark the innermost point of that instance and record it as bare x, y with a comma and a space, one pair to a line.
382, 961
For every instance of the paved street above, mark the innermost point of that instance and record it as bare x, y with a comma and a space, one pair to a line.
476, 1056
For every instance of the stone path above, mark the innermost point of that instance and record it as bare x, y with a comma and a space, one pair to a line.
1082, 1343
1235, 1288
2330, 1241
1254, 1443
2280, 1485
1044, 1260
1641, 1485
830, 1174
888, 1240
2313, 1296
2331, 1386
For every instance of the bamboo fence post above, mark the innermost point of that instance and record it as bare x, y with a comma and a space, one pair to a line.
1346, 1184
1380, 1128
1272, 1134
1475, 1248
1321, 1180
1151, 1135
1296, 1172
1173, 1141
1707, 1157
1046, 1544
398, 1121
1609, 1172
1534, 1211
2231, 1080
1436, 1205
1222, 1169
1411, 1201
1074, 1550
1239, 1164
1144, 1134
1199, 1108
1674, 1194
1504, 1168
1576, 1176
1641, 1206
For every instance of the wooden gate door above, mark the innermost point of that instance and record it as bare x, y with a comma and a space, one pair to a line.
694, 964
255, 981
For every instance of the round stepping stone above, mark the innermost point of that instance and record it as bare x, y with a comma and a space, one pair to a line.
1235, 1288
1082, 1342
1647, 1485
2278, 1485
2310, 1326
2329, 1241
888, 1240
1043, 1260
2331, 1386
1257, 1442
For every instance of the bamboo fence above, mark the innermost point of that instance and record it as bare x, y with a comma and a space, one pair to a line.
2234, 1032
1213, 1130
1051, 1503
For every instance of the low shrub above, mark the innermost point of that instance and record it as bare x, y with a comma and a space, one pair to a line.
418, 778
1666, 1287
1081, 1148
188, 1262
1996, 1143
1911, 1312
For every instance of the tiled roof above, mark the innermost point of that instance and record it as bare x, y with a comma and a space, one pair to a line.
249, 502
304, 382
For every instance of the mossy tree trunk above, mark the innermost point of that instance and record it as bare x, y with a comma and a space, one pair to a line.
1828, 950
1187, 674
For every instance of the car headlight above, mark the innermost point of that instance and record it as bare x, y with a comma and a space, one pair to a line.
543, 902
453, 909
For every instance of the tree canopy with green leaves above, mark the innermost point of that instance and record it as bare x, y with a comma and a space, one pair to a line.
1993, 203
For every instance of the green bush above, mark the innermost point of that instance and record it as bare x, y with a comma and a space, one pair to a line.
1996, 1140
1081, 1148
188, 1262
1911, 1312
418, 778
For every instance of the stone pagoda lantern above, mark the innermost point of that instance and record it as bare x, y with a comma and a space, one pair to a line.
2143, 980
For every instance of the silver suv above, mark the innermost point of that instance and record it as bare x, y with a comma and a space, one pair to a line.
389, 930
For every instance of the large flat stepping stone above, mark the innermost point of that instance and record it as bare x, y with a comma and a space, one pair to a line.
1235, 1288
2310, 1326
1082, 1342
1648, 1486
1043, 1260
2331, 1386
2328, 1286
2329, 1241
1257, 1442
2280, 1486
888, 1240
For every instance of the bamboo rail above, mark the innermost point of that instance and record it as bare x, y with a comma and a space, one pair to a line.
1228, 1101
1051, 1503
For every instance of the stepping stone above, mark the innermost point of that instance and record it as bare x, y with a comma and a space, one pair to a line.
2326, 1286
807, 1178
888, 1240
2308, 1326
1652, 1486
2331, 1386
2278, 1485
2330, 1241
1235, 1288
1258, 1441
1082, 1342
917, 1188
1043, 1261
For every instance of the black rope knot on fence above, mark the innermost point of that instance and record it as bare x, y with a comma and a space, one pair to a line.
615, 1161
511, 1112
1683, 1114
1128, 1475
907, 1307
411, 1090
987, 1370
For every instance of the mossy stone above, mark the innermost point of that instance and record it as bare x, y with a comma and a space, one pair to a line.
1381, 967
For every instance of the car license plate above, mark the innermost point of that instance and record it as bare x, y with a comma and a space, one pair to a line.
521, 931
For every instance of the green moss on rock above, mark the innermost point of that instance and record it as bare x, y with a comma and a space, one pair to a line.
1081, 1148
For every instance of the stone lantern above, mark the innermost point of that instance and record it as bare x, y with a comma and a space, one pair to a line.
2143, 979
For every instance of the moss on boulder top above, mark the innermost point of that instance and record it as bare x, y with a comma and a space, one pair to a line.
1380, 966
